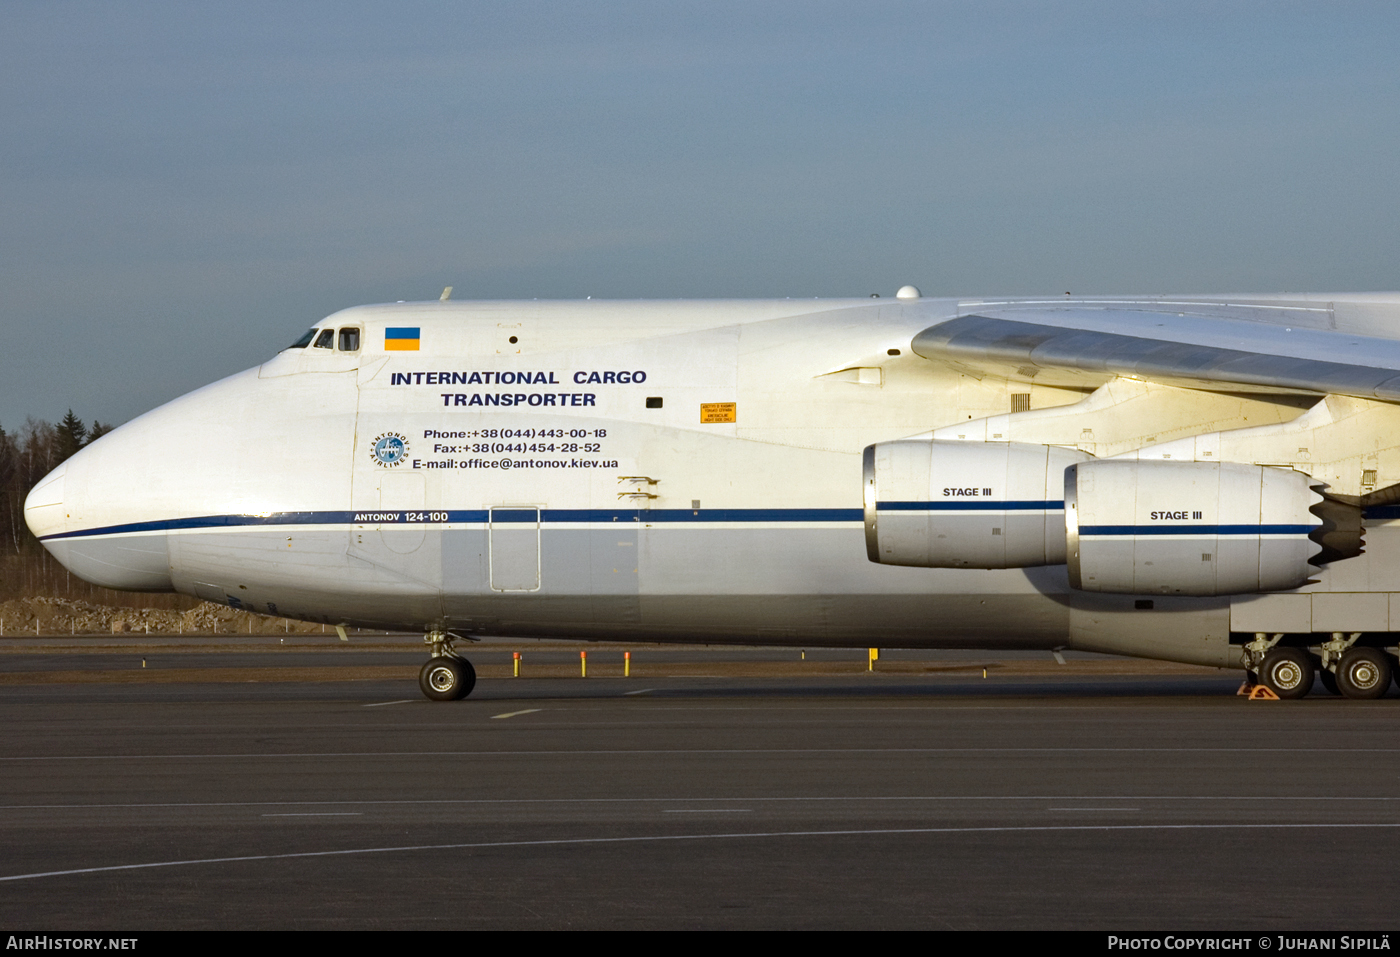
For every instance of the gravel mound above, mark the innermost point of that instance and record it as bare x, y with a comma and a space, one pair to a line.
52, 616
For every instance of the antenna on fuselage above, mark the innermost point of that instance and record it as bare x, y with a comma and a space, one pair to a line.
446, 294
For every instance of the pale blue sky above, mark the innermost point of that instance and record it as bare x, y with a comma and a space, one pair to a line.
184, 188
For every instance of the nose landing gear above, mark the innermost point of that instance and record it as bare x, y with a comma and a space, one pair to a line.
445, 677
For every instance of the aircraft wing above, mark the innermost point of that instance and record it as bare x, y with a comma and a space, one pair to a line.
1248, 351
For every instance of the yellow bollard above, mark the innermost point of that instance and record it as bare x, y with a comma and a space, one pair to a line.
627, 664
583, 664
874, 657
517, 665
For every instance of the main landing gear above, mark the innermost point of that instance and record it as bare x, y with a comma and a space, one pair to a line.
445, 677
1364, 673
1287, 672
1358, 671
1345, 667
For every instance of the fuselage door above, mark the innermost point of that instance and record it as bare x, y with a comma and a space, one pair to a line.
515, 548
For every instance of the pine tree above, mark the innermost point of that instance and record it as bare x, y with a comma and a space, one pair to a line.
71, 435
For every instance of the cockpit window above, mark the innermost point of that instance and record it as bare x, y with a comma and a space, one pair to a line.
326, 339
350, 339
304, 341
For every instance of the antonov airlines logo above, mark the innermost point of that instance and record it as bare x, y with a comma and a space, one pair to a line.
401, 339
389, 450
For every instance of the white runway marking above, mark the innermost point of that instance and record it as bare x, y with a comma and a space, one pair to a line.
643, 691
316, 814
381, 704
696, 800
511, 714
665, 838
708, 810
301, 755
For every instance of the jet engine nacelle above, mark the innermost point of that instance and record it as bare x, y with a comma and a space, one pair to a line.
1188, 528
965, 504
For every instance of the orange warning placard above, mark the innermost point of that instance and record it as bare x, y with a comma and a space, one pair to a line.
711, 412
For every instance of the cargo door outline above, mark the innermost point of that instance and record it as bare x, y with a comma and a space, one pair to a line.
402, 493
513, 540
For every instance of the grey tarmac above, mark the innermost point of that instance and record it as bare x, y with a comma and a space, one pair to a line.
906, 799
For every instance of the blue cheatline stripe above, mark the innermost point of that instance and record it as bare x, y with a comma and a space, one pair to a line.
214, 521
480, 517
1381, 512
1195, 530
969, 505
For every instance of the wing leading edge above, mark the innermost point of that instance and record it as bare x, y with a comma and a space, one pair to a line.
1195, 350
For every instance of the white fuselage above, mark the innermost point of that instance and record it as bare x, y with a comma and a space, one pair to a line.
662, 471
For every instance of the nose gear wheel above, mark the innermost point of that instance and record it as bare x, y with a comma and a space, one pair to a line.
445, 677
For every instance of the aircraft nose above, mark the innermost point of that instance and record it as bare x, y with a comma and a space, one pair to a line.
43, 508
77, 511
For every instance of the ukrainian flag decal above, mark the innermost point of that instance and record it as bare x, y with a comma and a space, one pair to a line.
403, 339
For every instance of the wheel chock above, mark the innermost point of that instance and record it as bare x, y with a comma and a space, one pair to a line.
1245, 689
1262, 693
